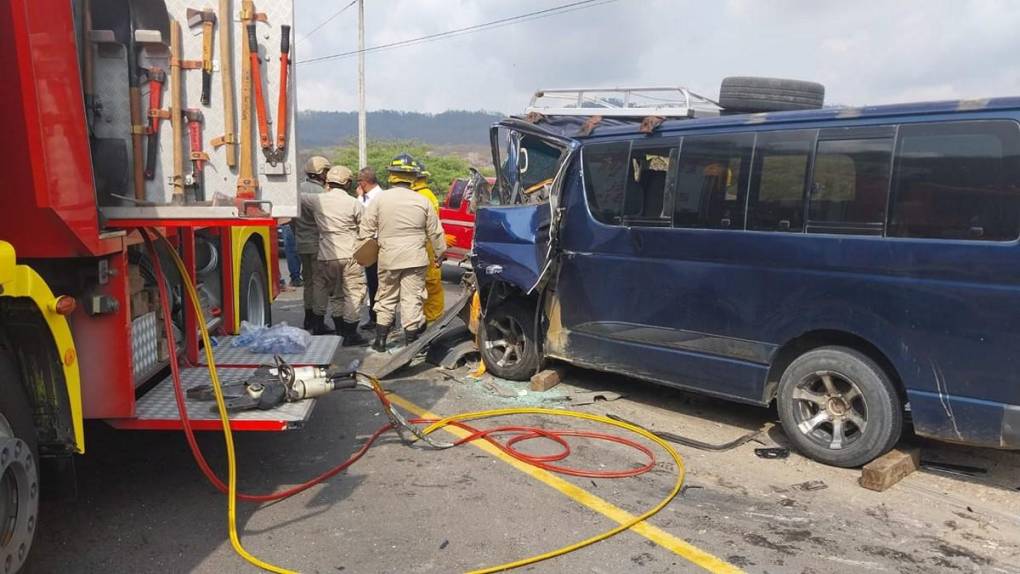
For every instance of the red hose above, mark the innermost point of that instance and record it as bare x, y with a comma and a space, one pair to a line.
517, 433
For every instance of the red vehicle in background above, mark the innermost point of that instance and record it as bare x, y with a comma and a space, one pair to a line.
457, 214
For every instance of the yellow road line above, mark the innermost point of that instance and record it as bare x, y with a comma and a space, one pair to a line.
679, 547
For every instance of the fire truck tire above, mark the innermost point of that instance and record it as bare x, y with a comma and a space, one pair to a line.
254, 288
19, 470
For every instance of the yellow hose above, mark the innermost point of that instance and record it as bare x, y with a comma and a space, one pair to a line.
228, 437
221, 407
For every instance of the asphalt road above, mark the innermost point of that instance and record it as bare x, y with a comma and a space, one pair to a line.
144, 507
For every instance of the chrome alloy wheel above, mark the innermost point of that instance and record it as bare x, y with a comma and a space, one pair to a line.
830, 409
505, 341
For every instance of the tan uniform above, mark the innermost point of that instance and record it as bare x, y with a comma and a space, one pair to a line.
339, 280
403, 222
306, 239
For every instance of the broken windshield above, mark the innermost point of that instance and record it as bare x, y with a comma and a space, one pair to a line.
525, 168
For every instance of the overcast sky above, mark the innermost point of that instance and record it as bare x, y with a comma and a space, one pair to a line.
864, 51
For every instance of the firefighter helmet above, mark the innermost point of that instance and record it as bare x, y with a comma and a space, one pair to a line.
317, 165
404, 163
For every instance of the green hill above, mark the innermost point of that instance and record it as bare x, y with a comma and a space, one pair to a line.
317, 129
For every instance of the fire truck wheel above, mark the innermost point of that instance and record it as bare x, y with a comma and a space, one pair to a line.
254, 288
19, 470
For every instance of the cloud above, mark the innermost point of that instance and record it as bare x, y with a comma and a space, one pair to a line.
865, 52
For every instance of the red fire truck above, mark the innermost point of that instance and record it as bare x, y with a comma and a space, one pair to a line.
79, 307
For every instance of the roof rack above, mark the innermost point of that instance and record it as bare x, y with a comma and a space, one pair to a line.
669, 102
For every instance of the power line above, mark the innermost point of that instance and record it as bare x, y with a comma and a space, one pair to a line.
536, 15
330, 19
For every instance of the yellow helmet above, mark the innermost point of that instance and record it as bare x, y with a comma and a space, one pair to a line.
340, 175
316, 165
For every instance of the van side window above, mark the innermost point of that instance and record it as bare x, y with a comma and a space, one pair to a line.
957, 180
605, 175
851, 186
647, 200
779, 180
712, 181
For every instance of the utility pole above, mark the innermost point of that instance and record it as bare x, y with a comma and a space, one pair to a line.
362, 129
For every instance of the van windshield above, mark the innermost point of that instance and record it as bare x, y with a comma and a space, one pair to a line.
525, 166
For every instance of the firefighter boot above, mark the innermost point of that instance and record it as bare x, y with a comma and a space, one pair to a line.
411, 335
381, 333
319, 325
349, 331
309, 320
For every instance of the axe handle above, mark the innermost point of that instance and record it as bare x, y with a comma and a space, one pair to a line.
176, 116
227, 76
207, 49
256, 80
137, 156
247, 187
281, 110
195, 145
155, 103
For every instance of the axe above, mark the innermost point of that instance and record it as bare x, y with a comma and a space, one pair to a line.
207, 18
195, 119
156, 77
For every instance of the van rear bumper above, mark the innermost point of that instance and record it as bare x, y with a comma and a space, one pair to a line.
965, 420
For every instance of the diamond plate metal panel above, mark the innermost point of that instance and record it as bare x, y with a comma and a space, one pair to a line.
144, 346
160, 404
319, 353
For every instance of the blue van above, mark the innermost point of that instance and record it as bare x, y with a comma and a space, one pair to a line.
854, 265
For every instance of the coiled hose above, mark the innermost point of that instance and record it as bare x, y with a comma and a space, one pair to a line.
518, 434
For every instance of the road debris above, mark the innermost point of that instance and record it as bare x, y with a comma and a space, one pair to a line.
675, 438
590, 398
890, 468
772, 452
547, 379
951, 468
811, 485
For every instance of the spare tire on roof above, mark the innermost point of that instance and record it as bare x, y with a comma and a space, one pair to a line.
753, 94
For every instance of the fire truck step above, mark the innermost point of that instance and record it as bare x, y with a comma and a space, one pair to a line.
157, 409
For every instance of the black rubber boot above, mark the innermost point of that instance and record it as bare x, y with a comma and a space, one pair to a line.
309, 320
381, 333
350, 334
411, 335
371, 324
319, 325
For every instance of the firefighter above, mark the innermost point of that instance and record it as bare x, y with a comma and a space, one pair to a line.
434, 301
306, 233
339, 281
403, 222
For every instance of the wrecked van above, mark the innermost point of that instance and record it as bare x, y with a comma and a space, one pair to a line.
859, 267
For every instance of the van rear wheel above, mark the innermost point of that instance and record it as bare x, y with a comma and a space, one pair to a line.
839, 407
507, 341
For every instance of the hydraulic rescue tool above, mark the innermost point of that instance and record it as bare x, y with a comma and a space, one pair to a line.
195, 119
269, 387
274, 154
156, 77
229, 138
207, 18
176, 118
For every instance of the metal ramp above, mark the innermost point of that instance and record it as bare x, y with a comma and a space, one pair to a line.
636, 103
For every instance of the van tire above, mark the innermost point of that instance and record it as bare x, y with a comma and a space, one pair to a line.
20, 469
752, 95
509, 329
253, 283
858, 398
